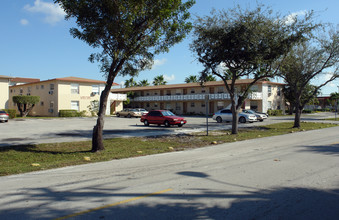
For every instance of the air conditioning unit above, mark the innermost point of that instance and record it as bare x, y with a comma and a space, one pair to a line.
50, 92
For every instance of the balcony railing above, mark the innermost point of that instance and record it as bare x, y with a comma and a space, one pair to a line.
192, 97
118, 97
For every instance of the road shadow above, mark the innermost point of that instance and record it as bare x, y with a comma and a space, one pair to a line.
279, 203
332, 149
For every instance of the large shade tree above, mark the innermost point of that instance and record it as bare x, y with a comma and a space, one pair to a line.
314, 59
129, 34
25, 103
243, 43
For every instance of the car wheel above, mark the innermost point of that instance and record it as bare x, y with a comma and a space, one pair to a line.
242, 120
128, 116
146, 123
261, 120
118, 115
180, 125
219, 119
167, 124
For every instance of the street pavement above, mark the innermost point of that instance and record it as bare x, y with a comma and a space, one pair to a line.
35, 131
292, 176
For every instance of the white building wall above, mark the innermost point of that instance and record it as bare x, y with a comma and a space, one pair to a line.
264, 98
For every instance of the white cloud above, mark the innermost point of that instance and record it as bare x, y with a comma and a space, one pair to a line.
52, 11
158, 63
24, 22
289, 19
169, 78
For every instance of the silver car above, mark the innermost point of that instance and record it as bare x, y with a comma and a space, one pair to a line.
129, 113
260, 116
226, 115
4, 116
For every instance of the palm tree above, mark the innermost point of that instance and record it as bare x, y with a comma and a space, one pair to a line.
191, 79
210, 78
143, 83
159, 80
130, 83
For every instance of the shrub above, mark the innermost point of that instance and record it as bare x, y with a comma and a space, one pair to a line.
307, 111
275, 112
68, 113
11, 112
71, 113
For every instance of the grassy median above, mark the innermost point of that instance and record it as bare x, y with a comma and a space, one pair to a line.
27, 158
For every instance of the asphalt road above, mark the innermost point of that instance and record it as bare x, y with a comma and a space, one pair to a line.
293, 176
34, 131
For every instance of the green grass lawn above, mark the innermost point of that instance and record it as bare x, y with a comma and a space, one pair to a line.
27, 158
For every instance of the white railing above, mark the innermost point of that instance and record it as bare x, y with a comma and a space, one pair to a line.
188, 97
118, 97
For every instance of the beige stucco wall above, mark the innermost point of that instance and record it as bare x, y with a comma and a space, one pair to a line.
4, 95
277, 101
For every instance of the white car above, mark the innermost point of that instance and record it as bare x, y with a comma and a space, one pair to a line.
226, 115
260, 116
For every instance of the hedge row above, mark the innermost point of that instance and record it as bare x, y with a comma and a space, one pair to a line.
71, 113
11, 112
275, 112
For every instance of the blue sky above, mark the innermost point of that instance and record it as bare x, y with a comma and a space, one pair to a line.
35, 41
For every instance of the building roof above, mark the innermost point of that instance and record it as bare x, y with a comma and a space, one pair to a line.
70, 79
24, 80
5, 77
191, 85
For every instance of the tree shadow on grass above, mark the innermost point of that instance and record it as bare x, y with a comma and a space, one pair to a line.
33, 148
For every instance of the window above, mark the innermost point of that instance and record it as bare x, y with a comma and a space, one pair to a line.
177, 107
203, 90
203, 105
42, 103
178, 91
168, 92
254, 88
51, 104
95, 89
155, 104
269, 90
220, 89
37, 87
51, 86
220, 105
192, 104
42, 87
11, 90
147, 105
147, 93
155, 93
279, 91
74, 88
75, 105
21, 91
29, 89
192, 91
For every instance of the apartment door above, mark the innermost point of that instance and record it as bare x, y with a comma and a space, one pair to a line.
161, 105
211, 107
184, 91
162, 93
184, 106
211, 90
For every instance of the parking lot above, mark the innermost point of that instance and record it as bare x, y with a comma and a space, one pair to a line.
32, 131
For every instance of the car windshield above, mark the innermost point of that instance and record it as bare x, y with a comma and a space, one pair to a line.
167, 113
250, 111
142, 110
133, 110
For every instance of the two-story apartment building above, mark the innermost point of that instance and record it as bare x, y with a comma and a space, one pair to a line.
190, 98
65, 93
4, 83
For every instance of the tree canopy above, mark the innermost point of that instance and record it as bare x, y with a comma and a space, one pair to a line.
240, 43
307, 61
25, 103
129, 34
159, 80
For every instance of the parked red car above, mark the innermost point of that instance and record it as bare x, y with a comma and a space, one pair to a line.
164, 117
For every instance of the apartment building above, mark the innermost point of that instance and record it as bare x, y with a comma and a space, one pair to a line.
190, 98
4, 95
65, 93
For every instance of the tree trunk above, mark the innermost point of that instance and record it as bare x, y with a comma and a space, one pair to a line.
234, 119
297, 116
97, 136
